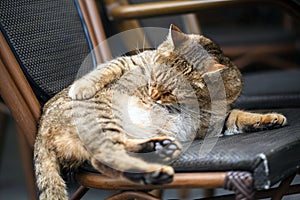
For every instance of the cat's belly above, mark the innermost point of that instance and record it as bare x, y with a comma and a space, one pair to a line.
143, 121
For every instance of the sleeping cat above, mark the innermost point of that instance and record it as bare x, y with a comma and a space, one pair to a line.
129, 116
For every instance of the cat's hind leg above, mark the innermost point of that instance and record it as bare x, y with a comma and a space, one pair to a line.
240, 121
113, 160
159, 149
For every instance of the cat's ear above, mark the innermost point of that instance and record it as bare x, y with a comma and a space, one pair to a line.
216, 67
176, 35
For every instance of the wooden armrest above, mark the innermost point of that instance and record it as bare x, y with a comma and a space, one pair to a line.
154, 9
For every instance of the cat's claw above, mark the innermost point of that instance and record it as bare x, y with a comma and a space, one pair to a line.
81, 90
275, 120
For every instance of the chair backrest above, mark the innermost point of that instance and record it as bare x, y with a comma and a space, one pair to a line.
43, 45
47, 39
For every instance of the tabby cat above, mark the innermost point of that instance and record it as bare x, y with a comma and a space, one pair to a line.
129, 117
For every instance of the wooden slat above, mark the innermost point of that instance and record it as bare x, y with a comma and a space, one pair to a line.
17, 93
133, 195
181, 180
80, 192
17, 105
95, 28
13, 68
155, 9
283, 187
28, 168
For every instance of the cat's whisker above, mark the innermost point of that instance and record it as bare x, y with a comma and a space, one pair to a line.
200, 115
144, 41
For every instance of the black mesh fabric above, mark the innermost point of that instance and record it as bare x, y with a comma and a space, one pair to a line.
269, 155
48, 40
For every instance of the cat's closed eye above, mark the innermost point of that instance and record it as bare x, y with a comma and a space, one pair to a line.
162, 95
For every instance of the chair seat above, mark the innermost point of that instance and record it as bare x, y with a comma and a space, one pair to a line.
269, 155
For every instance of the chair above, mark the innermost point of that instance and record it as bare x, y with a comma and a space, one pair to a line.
24, 69
253, 34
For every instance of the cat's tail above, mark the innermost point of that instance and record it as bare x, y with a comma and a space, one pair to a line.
50, 184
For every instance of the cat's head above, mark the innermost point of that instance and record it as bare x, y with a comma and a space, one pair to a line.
191, 53
181, 64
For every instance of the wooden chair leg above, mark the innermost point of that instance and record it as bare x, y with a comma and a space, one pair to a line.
157, 193
80, 192
128, 195
3, 122
283, 188
27, 159
183, 193
209, 193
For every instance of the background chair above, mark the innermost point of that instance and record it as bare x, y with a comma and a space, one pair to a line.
249, 32
29, 50
253, 35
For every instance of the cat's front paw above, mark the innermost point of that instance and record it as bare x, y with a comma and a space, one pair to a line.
272, 120
82, 89
267, 122
242, 121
